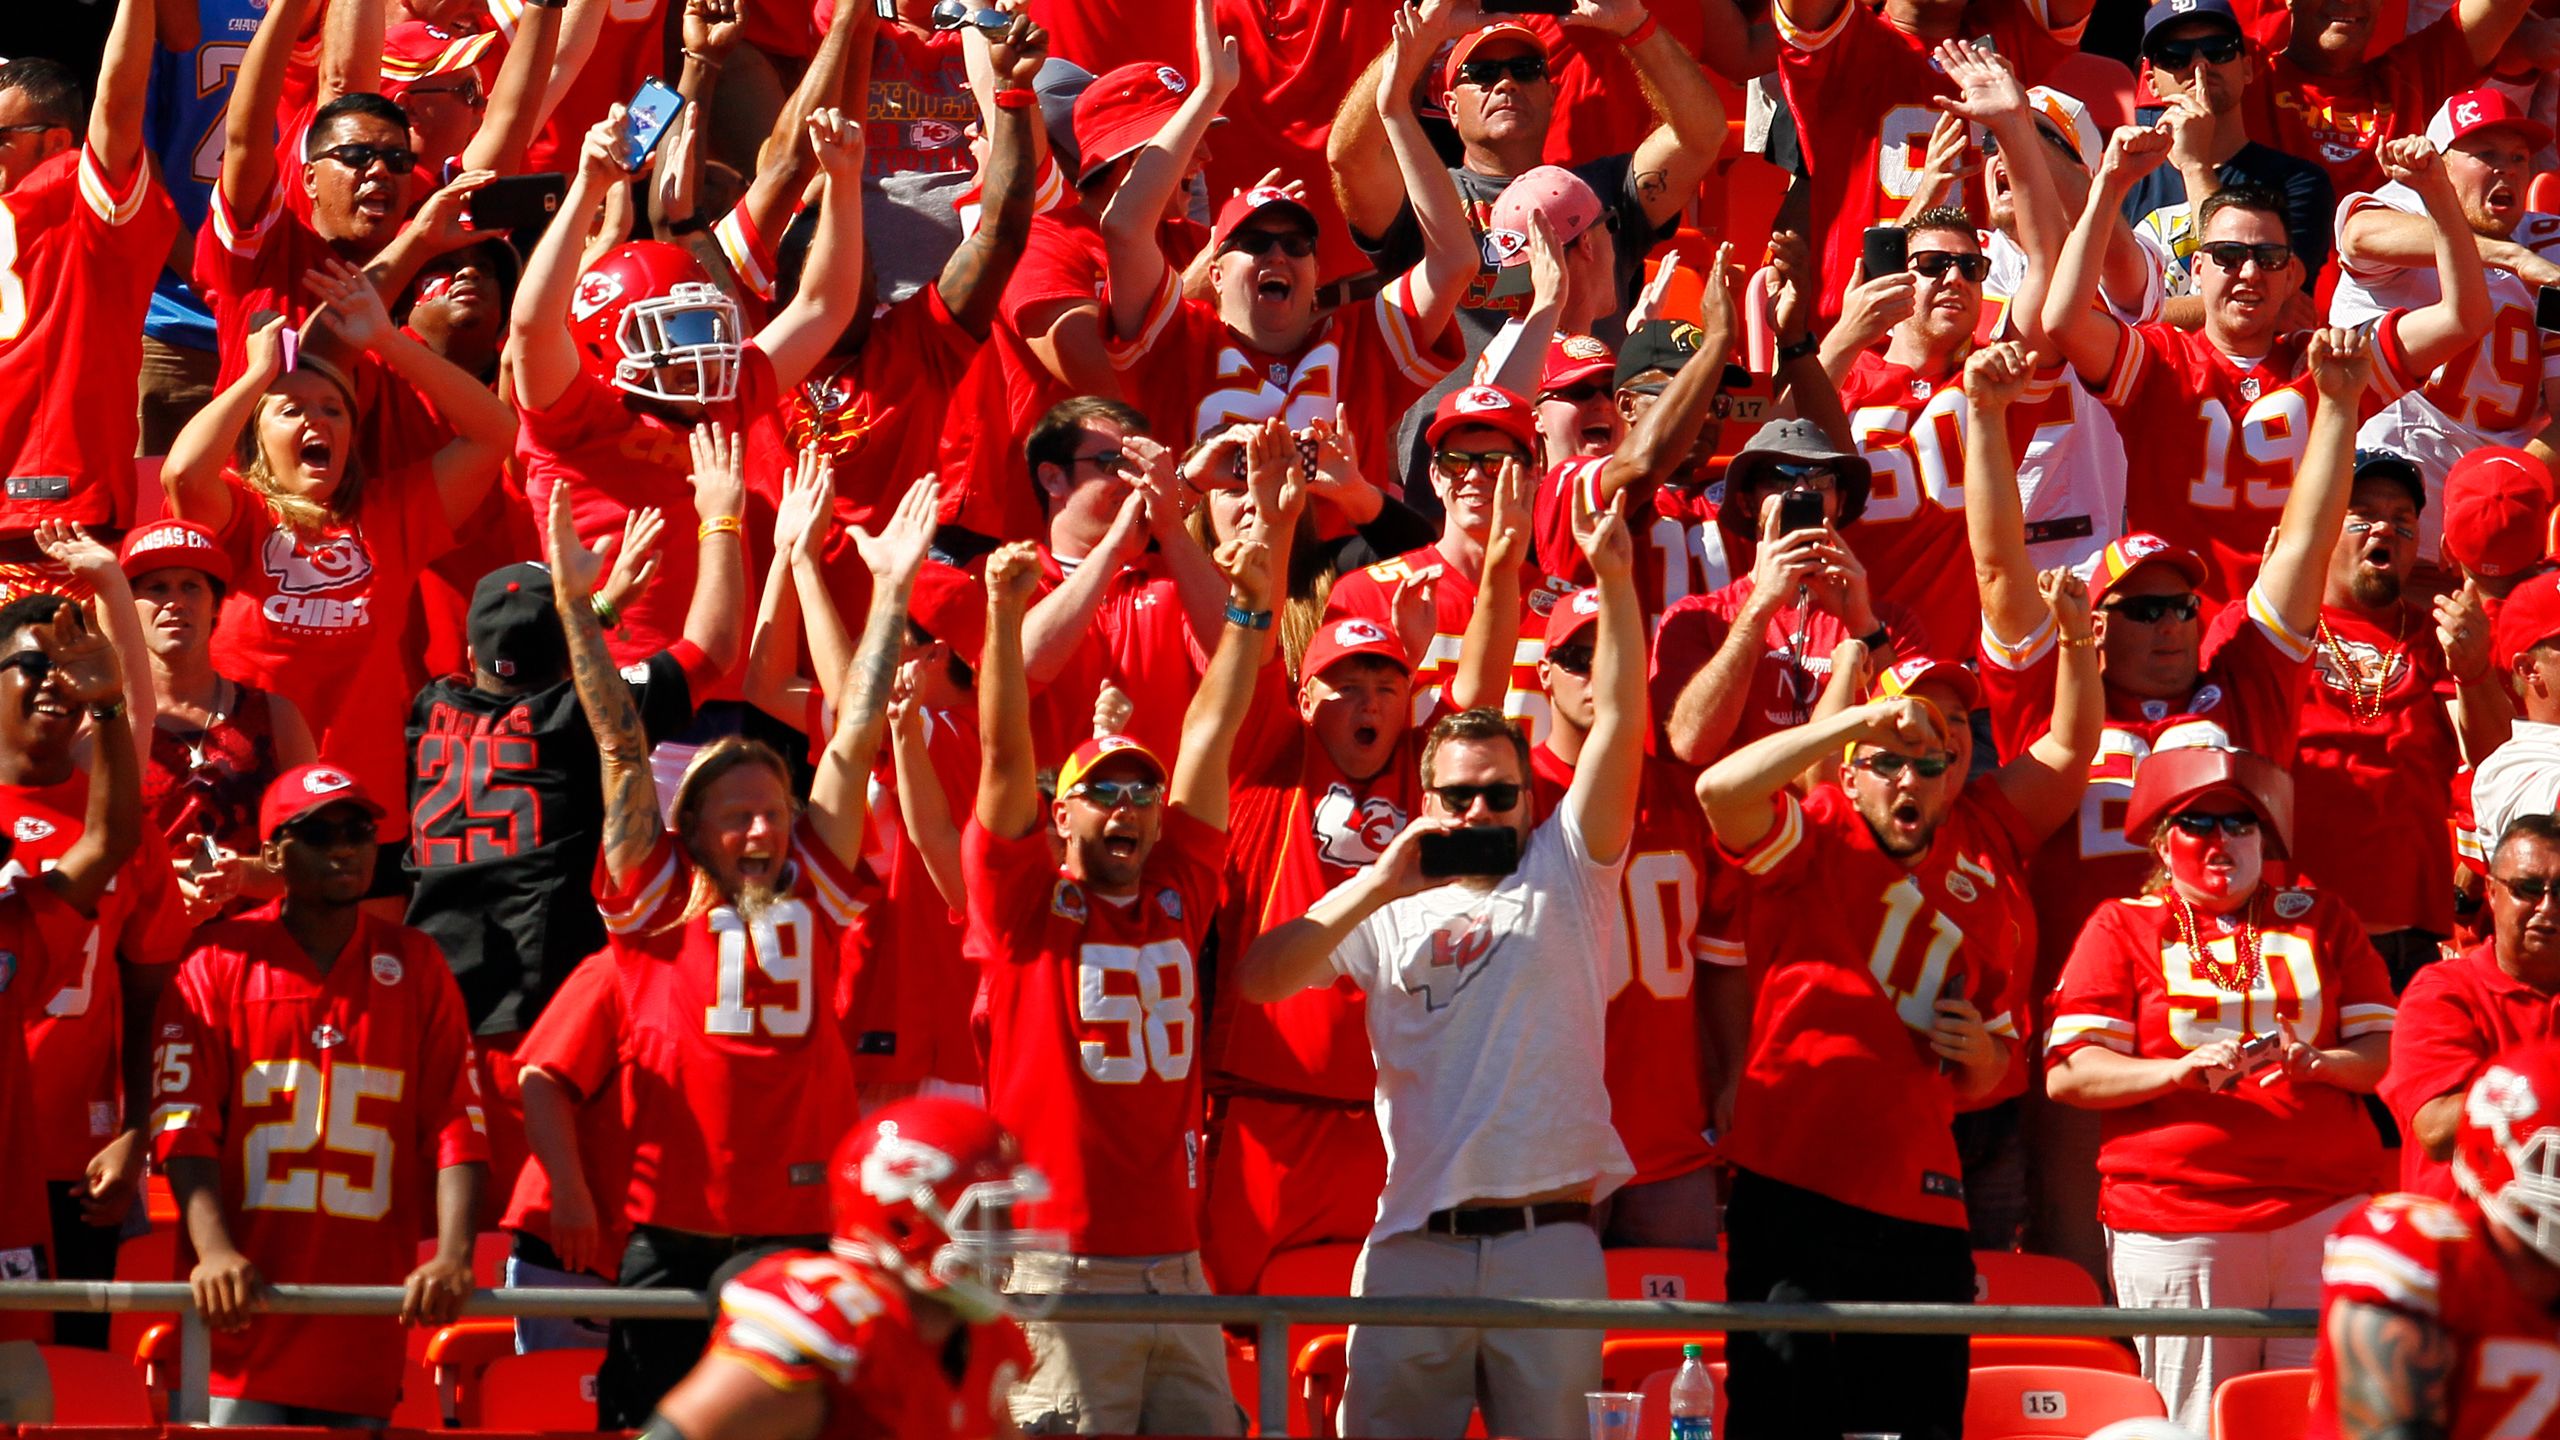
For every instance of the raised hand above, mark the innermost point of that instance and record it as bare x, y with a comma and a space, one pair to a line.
2133, 151
266, 350
719, 472
1337, 471
1602, 535
1996, 375
1017, 54
2409, 159
1216, 63
348, 304
1791, 291
1275, 479
1547, 272
572, 564
837, 142
1987, 90
1906, 723
898, 551
603, 157
70, 546
806, 511
1417, 611
1246, 562
2341, 363
2067, 596
1112, 711
1649, 301
635, 559
1949, 160
2191, 130
1151, 470
711, 27
1871, 308
1507, 537
1619, 17
440, 221
1720, 300
1013, 575
1409, 51
84, 660
2462, 628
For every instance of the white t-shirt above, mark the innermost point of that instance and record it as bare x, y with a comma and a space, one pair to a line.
2521, 777
1485, 1015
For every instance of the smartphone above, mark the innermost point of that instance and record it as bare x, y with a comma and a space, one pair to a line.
646, 120
1800, 510
1887, 249
288, 348
2546, 307
1470, 850
516, 202
1527, 7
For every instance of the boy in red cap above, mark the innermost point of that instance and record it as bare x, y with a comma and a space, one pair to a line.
2498, 520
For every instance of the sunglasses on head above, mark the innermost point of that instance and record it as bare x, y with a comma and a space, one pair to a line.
322, 834
1458, 464
35, 665
2179, 54
951, 15
2232, 254
1523, 68
2151, 609
1296, 244
1934, 263
2201, 823
1571, 659
398, 159
1113, 794
1887, 765
2531, 889
1500, 796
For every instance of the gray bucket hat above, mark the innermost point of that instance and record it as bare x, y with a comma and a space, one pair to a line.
1782, 442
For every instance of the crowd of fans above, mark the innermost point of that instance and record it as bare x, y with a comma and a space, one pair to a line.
1848, 632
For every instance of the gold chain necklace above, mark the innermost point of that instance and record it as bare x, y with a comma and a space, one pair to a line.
2240, 978
2364, 706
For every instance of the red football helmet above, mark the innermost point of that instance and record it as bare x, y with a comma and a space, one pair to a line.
2507, 1153
647, 318
2174, 778
925, 1189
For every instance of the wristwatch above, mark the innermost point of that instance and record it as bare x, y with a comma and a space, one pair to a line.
1877, 640
107, 709
1793, 351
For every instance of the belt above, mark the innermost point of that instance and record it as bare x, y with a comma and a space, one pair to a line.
1479, 1220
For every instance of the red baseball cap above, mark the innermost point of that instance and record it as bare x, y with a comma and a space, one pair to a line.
2497, 512
1344, 638
1566, 199
174, 544
1104, 747
307, 788
2473, 111
1245, 204
414, 51
952, 607
1909, 675
1572, 613
1575, 357
1123, 109
2128, 553
1487, 405
2528, 616
1468, 45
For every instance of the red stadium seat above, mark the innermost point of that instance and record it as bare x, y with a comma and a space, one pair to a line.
2086, 1352
1642, 1273
145, 1259
2006, 1277
1245, 1379
1309, 1270
546, 1390
1316, 1374
93, 1387
417, 1407
155, 1358
2053, 1402
489, 1250
2270, 1405
2544, 192
1625, 1359
457, 1357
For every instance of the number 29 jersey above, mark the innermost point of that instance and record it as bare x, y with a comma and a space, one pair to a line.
1091, 1008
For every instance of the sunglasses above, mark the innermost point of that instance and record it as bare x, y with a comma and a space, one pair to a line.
2179, 54
1114, 794
1886, 765
2400, 528
2232, 254
398, 159
2152, 609
1103, 459
2531, 889
1934, 263
320, 834
1571, 659
1500, 796
1296, 244
951, 15
1791, 475
2200, 823
31, 127
1458, 464
1487, 73
35, 665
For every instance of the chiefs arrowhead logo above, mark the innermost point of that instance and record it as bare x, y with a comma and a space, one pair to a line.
1261, 195
320, 780
1481, 400
1171, 79
1584, 347
29, 827
933, 134
1358, 632
898, 1167
1457, 955
1500, 246
596, 290
2137, 547
1352, 831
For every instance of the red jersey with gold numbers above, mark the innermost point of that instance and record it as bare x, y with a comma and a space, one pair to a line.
1679, 551
2456, 1016
1841, 1093
806, 1318
78, 254
1655, 1066
1370, 594
2221, 441
40, 938
727, 1028
2261, 1154
1091, 1010
2374, 775
2433, 1260
329, 1099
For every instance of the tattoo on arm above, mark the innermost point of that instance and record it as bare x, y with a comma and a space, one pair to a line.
875, 665
2391, 1371
630, 793
1651, 186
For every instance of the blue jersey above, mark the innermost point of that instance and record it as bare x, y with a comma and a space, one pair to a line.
183, 128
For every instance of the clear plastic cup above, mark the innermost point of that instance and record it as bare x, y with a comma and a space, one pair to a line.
1614, 1413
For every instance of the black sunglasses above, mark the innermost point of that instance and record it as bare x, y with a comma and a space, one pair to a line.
2232, 254
2531, 889
2151, 609
35, 665
1934, 263
1113, 794
320, 834
1487, 73
1571, 659
1106, 459
1500, 796
398, 159
1820, 477
1296, 244
2201, 823
2179, 54
1887, 765
1455, 464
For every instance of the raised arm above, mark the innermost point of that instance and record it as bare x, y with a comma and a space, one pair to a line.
1200, 768
85, 663
1366, 182
1008, 771
712, 616
508, 126
631, 825
124, 81
351, 40
832, 289
1736, 790
484, 426
1482, 680
539, 351
2486, 24
1689, 131
191, 475
1605, 779
1518, 354
973, 278
2433, 334
2087, 335
93, 564
839, 794
1709, 707
248, 178
1660, 443
1450, 257
774, 683
1059, 624
924, 810
1995, 519
1133, 260
2046, 782
839, 74
2296, 571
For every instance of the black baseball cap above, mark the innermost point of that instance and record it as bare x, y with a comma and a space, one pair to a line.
2170, 12
1663, 345
512, 628
2394, 466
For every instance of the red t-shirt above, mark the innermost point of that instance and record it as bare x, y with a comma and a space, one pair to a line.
911, 987
2370, 798
807, 1318
1092, 1022
1140, 641
727, 1032
1794, 663
2222, 441
2455, 1017
78, 255
604, 1136
318, 619
1841, 1094
245, 264
1370, 594
877, 414
329, 1099
2339, 125
2434, 1261
2255, 1156
40, 939
1679, 549
1298, 58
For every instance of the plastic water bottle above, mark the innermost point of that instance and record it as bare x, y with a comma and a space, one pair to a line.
1693, 1397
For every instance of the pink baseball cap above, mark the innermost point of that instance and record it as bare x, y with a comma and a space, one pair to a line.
1566, 199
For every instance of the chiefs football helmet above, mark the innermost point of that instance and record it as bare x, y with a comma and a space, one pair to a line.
925, 1189
647, 319
2506, 1155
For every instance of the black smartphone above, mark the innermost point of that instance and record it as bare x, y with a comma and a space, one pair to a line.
516, 202
2546, 307
646, 120
1887, 249
1470, 850
1800, 510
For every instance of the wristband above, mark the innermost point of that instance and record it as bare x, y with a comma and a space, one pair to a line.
108, 709
705, 61
1878, 640
1017, 99
1247, 619
1642, 32
1795, 350
2079, 642
606, 615
720, 525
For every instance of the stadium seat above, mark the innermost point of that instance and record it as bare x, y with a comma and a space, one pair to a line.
1625, 1359
1244, 1377
2006, 1277
145, 1259
93, 1387
457, 1356
2086, 1352
2270, 1405
2543, 193
489, 1250
417, 1408
1309, 1270
1640, 1273
546, 1390
155, 1359
1316, 1373
2053, 1402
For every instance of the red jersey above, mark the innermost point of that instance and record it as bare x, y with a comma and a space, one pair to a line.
2434, 1261
40, 939
1092, 1020
2255, 1156
2339, 125
808, 1318
1298, 58
911, 988
622, 458
2247, 697
317, 618
1193, 375
604, 1136
1655, 1065
78, 255
876, 415
2455, 1017
1794, 663
628, 49
734, 1061
2222, 441
249, 264
1371, 595
1679, 551
1841, 1094
1861, 89
330, 1098
2372, 794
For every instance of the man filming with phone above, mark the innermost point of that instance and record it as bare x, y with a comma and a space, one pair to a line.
1477, 936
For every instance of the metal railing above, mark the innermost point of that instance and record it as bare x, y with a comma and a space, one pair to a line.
1269, 1315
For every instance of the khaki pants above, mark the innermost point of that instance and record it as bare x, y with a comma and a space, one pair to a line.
173, 386
1122, 1379
1410, 1381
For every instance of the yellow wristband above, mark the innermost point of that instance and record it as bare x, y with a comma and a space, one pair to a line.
725, 525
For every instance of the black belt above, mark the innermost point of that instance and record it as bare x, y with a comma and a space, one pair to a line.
1481, 1220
